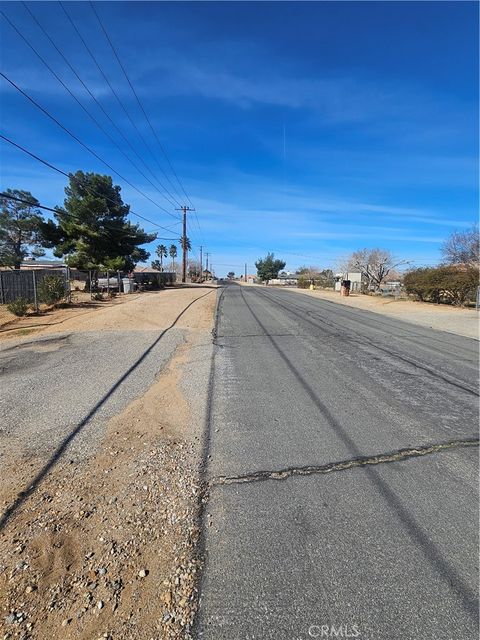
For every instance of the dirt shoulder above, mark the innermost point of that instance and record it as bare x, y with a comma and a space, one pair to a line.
463, 322
106, 547
141, 311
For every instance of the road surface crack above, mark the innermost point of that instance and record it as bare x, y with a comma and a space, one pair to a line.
401, 454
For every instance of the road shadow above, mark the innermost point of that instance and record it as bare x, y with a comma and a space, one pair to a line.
431, 552
23, 495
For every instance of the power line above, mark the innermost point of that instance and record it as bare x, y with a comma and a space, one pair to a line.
99, 104
132, 122
32, 204
198, 225
222, 264
139, 103
97, 123
146, 117
82, 40
71, 176
63, 212
85, 146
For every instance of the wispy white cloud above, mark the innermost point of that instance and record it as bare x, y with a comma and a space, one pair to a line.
373, 236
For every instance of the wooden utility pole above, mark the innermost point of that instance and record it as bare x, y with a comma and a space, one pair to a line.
245, 273
184, 241
201, 264
206, 268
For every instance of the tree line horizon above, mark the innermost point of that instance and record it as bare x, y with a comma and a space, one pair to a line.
91, 232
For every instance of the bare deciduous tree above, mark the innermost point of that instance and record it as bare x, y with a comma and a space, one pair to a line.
462, 247
374, 265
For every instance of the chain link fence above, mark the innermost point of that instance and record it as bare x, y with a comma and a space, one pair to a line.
24, 283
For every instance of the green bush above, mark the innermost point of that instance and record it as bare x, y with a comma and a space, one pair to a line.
303, 282
423, 284
51, 289
451, 284
18, 307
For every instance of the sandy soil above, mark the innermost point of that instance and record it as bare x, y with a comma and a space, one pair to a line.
149, 310
463, 322
105, 548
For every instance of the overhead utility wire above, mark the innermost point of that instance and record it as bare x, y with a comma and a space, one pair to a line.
146, 117
32, 204
139, 102
94, 153
65, 213
99, 104
132, 122
90, 116
198, 225
145, 114
200, 234
71, 176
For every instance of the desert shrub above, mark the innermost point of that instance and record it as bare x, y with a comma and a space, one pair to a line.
325, 279
51, 289
422, 283
458, 284
18, 307
303, 282
452, 284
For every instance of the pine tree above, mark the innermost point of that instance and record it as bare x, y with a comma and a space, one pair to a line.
268, 267
92, 230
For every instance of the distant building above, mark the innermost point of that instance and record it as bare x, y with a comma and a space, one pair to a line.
251, 279
286, 279
41, 263
355, 280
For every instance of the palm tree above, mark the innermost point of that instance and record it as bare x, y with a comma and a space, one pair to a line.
188, 244
161, 253
173, 254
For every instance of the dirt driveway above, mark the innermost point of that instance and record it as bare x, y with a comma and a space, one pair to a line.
154, 310
102, 416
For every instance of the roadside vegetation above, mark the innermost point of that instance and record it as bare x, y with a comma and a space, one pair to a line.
454, 281
90, 231
20, 222
268, 268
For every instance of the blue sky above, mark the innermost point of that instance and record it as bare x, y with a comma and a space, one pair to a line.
308, 129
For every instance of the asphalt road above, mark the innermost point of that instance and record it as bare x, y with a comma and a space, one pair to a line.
324, 518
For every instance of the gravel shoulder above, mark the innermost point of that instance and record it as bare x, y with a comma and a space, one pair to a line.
101, 539
462, 322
